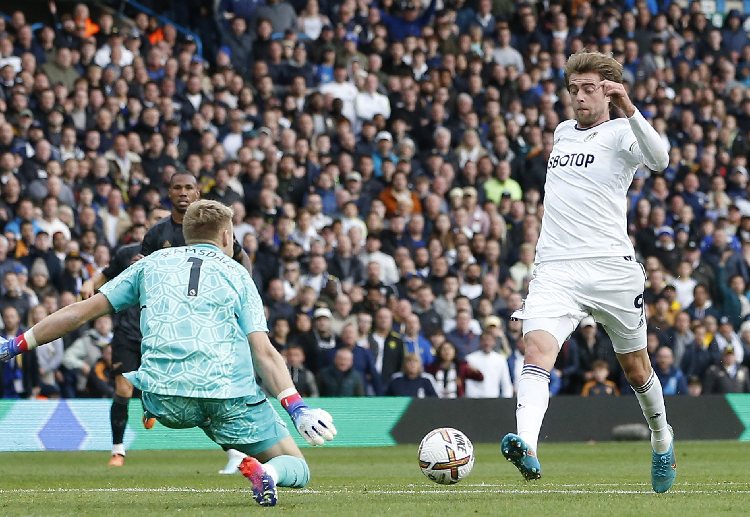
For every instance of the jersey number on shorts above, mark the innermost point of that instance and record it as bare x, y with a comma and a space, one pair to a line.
195, 275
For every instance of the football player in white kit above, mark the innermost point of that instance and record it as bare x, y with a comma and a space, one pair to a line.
585, 262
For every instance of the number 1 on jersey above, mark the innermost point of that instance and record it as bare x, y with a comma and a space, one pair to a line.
195, 275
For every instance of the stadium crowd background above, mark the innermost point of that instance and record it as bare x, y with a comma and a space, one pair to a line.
386, 164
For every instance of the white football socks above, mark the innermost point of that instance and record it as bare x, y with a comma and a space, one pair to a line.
271, 471
118, 448
651, 399
533, 400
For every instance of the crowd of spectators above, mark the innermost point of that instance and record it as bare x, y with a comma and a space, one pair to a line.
386, 163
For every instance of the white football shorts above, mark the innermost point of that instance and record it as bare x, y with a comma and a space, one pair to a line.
562, 293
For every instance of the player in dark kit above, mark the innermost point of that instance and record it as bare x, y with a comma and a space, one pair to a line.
126, 341
167, 233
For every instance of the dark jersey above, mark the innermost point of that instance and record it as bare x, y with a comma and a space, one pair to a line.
126, 323
168, 234
164, 234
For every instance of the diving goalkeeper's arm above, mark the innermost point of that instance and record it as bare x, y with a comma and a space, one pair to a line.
54, 326
315, 425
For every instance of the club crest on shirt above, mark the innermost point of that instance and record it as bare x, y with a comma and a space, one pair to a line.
591, 136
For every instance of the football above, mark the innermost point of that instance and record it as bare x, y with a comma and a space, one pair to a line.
446, 455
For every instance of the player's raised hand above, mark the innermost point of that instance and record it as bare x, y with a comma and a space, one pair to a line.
619, 96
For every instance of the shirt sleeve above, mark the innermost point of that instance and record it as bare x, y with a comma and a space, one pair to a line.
644, 145
124, 290
252, 315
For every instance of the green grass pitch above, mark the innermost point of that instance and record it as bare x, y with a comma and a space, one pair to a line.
579, 479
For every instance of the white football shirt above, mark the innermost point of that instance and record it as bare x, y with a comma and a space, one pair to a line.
588, 175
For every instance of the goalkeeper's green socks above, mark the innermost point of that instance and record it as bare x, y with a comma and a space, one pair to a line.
288, 471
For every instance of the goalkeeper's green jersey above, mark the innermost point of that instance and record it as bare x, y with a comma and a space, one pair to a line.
197, 308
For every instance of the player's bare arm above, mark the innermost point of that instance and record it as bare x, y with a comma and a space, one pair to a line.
269, 364
314, 425
56, 325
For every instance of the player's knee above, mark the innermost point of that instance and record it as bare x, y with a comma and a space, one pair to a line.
123, 388
303, 474
637, 376
541, 347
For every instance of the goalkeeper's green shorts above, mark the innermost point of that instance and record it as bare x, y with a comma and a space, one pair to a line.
252, 426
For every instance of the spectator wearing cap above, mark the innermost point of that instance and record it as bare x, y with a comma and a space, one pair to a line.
370, 102
324, 338
665, 249
730, 376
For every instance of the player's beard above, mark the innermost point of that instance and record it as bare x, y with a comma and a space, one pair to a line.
588, 118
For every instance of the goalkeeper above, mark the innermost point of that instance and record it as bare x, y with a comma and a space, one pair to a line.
199, 309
